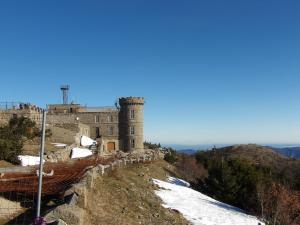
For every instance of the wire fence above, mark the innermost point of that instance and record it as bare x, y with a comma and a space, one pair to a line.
16, 206
18, 191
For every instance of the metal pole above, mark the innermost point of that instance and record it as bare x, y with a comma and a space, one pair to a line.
39, 220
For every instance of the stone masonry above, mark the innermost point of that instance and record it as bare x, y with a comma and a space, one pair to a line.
114, 128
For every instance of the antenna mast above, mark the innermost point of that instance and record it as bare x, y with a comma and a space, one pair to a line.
65, 91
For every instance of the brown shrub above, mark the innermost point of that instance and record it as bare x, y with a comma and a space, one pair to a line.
190, 169
279, 205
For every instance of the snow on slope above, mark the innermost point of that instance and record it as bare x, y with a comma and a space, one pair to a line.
198, 208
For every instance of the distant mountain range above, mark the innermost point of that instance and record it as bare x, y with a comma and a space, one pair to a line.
293, 152
203, 147
289, 151
188, 151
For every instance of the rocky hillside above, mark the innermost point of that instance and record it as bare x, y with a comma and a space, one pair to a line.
122, 196
127, 197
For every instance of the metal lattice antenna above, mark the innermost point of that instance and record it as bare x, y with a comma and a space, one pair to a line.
65, 90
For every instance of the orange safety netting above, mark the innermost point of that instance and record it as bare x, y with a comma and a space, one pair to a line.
64, 175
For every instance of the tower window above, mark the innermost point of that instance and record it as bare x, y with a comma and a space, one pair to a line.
97, 119
132, 130
110, 130
132, 114
132, 143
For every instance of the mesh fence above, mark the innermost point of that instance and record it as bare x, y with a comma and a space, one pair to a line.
18, 189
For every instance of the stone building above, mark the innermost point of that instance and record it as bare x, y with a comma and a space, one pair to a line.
114, 128
9, 110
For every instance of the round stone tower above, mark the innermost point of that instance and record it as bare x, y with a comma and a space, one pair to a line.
132, 123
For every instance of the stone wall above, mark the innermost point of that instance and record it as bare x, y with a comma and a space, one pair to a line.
68, 133
30, 111
63, 135
9, 209
106, 122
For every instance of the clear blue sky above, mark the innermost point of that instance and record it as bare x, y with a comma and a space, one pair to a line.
212, 71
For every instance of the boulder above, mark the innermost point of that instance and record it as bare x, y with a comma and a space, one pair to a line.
68, 214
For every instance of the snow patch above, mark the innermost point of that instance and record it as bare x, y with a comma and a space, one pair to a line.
80, 153
86, 141
198, 208
28, 160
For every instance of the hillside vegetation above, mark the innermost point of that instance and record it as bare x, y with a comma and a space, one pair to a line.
285, 169
250, 177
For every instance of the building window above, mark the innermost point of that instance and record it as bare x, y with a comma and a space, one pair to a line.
132, 143
110, 118
110, 130
132, 130
97, 132
97, 119
132, 114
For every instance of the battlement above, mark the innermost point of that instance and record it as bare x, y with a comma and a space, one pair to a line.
10, 110
132, 101
19, 106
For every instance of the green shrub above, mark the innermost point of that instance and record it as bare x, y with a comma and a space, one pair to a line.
10, 149
24, 127
151, 145
171, 157
12, 137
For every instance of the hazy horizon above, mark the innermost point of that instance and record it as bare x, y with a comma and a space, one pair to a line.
210, 146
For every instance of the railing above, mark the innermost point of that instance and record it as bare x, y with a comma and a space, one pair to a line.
10, 105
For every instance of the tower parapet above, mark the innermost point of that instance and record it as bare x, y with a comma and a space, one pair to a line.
132, 123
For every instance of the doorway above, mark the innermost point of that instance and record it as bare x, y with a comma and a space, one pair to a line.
111, 146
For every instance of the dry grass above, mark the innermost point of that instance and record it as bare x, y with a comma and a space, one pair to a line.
4, 164
126, 197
